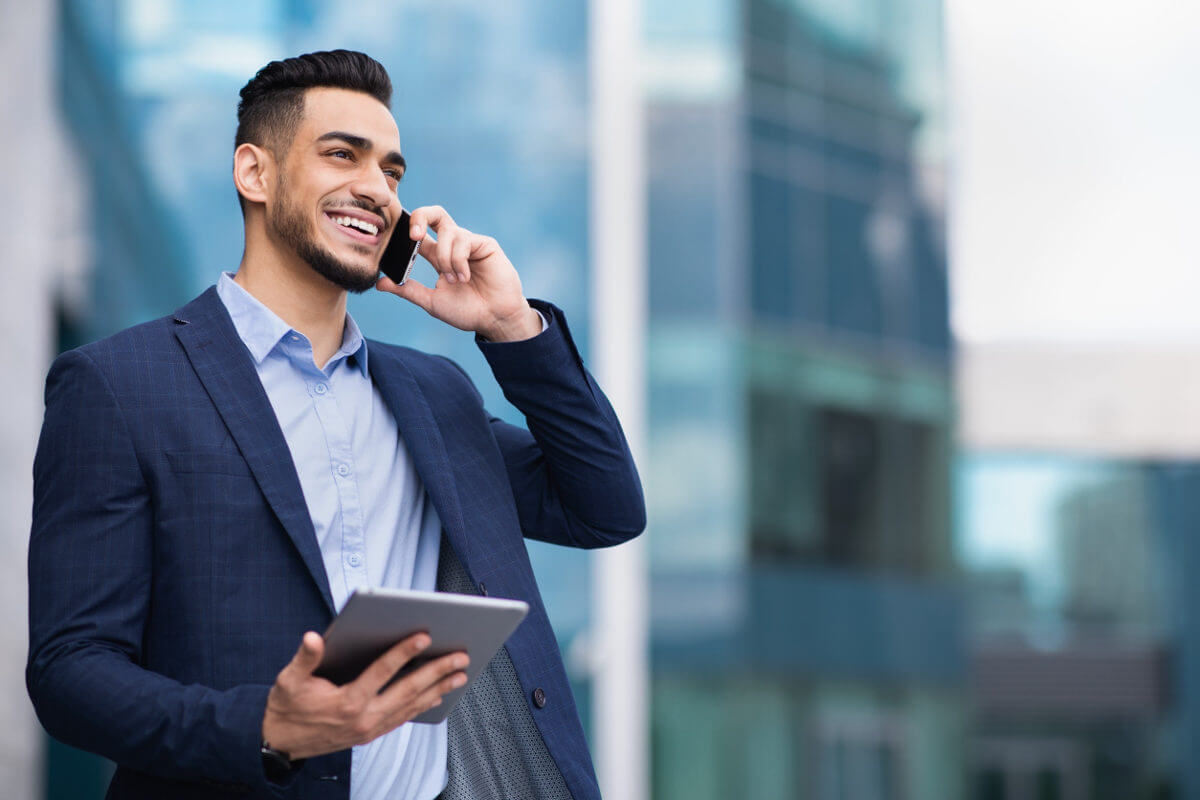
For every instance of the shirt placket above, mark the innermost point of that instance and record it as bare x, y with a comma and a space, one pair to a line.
345, 479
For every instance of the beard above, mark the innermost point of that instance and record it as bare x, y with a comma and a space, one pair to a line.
294, 229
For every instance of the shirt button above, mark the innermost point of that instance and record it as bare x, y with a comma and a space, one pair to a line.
321, 388
343, 470
295, 337
354, 559
539, 698
483, 589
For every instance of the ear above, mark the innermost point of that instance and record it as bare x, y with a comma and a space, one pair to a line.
253, 172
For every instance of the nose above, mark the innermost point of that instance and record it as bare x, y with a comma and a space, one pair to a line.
371, 186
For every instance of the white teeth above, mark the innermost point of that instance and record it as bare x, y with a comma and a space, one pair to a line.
354, 222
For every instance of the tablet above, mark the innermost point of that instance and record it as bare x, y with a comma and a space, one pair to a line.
375, 619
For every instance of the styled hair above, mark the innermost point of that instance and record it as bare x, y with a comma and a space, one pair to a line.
272, 103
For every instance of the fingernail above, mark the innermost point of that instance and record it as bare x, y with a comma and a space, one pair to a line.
423, 642
450, 277
462, 276
414, 232
459, 681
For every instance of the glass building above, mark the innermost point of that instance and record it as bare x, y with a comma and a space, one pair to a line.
1082, 639
807, 628
807, 632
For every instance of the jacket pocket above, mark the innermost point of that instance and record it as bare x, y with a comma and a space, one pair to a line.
217, 461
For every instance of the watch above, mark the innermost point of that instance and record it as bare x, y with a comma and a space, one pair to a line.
277, 764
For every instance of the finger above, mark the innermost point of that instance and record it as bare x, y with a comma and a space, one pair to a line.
308, 656
427, 249
383, 668
483, 247
411, 290
445, 250
440, 675
460, 253
406, 709
425, 217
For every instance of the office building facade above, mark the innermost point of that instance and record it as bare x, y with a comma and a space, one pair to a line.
807, 632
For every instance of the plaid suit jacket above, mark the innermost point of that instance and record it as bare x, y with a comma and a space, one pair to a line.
173, 566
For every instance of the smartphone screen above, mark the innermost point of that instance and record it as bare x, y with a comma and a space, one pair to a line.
400, 253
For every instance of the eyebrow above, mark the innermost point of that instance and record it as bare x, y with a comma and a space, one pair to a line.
364, 144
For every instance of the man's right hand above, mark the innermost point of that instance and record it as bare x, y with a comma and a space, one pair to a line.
309, 716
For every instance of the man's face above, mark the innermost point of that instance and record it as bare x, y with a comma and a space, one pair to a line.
335, 201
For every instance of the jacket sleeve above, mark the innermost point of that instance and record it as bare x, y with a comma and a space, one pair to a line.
572, 474
90, 565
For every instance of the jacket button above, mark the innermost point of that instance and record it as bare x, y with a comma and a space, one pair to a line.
483, 588
539, 698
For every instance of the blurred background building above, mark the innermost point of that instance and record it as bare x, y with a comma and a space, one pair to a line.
1078, 509
882, 567
806, 630
1074, 247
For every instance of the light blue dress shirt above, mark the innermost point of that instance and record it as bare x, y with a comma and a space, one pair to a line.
373, 519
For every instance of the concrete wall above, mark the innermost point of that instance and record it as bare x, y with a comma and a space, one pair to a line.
40, 244
1104, 399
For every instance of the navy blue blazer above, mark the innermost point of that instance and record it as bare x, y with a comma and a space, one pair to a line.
173, 566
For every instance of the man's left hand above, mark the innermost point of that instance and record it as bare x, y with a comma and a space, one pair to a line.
477, 289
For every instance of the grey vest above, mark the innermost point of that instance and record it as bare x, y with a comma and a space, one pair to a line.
495, 751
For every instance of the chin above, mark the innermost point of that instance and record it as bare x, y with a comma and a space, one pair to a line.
352, 275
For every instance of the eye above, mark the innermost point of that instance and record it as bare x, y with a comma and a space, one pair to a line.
346, 154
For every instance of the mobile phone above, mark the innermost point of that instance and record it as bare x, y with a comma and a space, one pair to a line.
400, 253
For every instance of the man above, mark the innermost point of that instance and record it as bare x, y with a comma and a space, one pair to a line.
209, 488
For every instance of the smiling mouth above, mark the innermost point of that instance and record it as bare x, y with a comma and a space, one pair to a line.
358, 229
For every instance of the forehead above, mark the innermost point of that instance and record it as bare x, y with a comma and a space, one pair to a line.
327, 109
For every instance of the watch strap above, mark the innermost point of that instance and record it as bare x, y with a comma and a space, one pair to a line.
277, 764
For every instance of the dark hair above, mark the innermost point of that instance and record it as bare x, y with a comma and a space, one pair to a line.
272, 102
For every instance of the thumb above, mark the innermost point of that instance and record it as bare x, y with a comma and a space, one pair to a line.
312, 648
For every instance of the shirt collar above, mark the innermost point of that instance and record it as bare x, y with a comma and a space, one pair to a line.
261, 329
353, 344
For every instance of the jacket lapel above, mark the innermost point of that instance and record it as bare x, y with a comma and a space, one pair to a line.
417, 423
227, 372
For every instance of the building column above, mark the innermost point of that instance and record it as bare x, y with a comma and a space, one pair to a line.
617, 273
38, 189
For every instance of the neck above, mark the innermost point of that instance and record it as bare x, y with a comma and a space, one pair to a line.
299, 296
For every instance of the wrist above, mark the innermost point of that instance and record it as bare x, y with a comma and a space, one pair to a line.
279, 760
274, 731
278, 765
524, 324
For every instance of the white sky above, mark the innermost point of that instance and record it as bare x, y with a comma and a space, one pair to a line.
1075, 170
